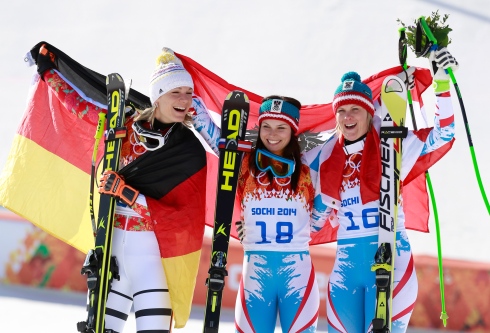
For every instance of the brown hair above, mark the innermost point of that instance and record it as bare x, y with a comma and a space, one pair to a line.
292, 149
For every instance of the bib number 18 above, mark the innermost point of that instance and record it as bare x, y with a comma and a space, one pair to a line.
284, 232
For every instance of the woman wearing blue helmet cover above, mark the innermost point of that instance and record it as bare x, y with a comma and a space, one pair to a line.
276, 196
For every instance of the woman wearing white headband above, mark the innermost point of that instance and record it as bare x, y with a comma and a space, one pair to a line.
158, 231
166, 163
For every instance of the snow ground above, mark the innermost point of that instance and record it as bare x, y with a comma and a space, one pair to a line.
26, 309
58, 312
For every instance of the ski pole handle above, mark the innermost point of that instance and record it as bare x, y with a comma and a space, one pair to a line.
402, 56
427, 30
402, 47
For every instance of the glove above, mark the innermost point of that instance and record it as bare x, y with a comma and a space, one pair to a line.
113, 184
441, 60
240, 229
407, 77
45, 61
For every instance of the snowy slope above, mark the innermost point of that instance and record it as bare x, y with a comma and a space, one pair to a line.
58, 312
296, 48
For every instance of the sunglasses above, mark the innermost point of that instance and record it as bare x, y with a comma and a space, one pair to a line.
150, 140
279, 166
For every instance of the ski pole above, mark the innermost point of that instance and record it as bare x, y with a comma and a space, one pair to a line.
449, 71
98, 135
402, 55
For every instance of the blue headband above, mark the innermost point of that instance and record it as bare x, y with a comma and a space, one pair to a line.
281, 110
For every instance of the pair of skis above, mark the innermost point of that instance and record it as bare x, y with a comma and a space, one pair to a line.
99, 266
234, 117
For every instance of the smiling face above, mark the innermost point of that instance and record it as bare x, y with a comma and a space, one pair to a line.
173, 105
353, 121
275, 135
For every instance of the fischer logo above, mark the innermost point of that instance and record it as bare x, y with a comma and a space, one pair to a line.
230, 156
385, 220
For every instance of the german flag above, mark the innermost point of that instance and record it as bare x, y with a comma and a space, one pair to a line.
46, 179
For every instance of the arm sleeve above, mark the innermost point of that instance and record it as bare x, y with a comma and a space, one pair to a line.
320, 211
204, 125
443, 130
428, 140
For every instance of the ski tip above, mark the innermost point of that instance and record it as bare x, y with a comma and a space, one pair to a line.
394, 100
237, 94
114, 77
393, 84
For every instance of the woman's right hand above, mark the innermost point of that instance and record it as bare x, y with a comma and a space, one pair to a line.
440, 61
113, 184
240, 229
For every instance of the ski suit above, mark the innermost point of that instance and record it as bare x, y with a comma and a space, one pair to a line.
351, 295
278, 274
136, 244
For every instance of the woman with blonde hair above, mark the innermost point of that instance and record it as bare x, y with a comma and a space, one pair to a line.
349, 176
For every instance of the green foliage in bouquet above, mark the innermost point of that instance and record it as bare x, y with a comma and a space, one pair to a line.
438, 27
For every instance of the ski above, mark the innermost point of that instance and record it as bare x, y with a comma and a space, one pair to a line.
234, 117
99, 266
393, 130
